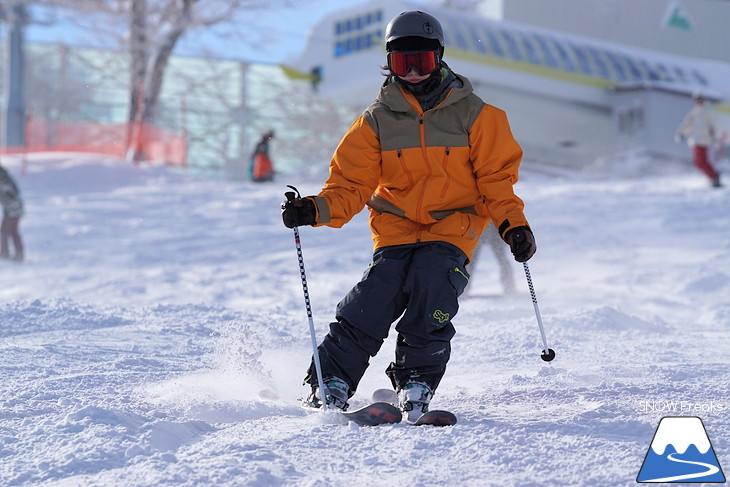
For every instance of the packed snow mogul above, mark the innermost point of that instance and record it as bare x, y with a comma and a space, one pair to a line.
434, 164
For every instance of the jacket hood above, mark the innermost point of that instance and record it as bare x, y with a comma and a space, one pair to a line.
391, 95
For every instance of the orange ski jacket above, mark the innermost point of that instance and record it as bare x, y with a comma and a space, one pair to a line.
438, 175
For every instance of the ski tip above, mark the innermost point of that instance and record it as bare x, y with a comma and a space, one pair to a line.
374, 414
385, 395
436, 418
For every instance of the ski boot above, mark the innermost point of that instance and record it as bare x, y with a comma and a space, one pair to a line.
413, 400
337, 395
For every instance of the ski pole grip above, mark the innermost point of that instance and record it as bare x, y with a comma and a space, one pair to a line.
291, 195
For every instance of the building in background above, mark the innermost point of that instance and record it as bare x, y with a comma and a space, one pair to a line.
694, 28
572, 100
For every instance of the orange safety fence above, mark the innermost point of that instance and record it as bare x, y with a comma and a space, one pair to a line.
154, 144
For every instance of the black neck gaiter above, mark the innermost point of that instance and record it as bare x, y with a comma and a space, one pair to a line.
429, 91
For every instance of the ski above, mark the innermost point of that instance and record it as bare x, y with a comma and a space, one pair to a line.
436, 417
383, 410
385, 395
374, 414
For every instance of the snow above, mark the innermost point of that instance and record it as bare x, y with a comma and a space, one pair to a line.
154, 307
680, 432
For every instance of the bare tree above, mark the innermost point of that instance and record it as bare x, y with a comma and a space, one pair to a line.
149, 30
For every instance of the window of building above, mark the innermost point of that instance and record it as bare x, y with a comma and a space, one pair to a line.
529, 47
651, 72
618, 66
548, 54
581, 56
634, 69
680, 74
598, 61
512, 47
698, 76
480, 42
460, 40
494, 44
565, 57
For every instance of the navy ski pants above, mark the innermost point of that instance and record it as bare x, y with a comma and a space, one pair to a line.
418, 283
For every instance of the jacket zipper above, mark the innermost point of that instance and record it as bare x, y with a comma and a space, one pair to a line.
405, 169
429, 172
446, 171
422, 132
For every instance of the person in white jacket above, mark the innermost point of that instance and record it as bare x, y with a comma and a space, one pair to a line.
699, 129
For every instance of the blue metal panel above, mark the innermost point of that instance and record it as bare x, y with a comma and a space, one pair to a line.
512, 47
568, 63
651, 72
529, 46
494, 43
548, 54
618, 66
461, 42
479, 42
664, 73
634, 70
598, 61
700, 79
582, 57
681, 75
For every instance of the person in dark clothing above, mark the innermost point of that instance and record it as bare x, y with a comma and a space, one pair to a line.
434, 164
12, 204
491, 238
262, 169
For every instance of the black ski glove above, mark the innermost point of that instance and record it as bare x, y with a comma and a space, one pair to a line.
522, 243
298, 211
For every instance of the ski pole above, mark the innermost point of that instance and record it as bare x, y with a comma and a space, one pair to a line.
548, 354
290, 195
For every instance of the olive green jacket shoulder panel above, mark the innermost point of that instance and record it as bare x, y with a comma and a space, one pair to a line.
398, 122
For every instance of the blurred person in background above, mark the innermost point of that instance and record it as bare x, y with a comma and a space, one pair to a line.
12, 204
262, 169
491, 238
700, 130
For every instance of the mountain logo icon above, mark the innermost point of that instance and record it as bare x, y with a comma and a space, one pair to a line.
681, 452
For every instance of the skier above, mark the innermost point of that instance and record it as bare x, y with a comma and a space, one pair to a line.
491, 238
700, 130
434, 164
261, 167
12, 204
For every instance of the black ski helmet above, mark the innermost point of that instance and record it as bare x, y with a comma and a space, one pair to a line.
414, 23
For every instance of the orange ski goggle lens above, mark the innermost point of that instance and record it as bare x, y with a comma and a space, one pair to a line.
424, 62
